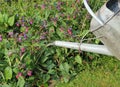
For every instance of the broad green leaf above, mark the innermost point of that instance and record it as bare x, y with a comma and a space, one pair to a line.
4, 85
65, 67
1, 18
22, 29
15, 70
5, 18
46, 78
21, 82
8, 73
51, 71
78, 59
47, 13
11, 20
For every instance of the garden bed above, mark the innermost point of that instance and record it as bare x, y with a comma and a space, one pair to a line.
28, 26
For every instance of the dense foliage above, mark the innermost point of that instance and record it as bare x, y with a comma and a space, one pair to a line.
27, 27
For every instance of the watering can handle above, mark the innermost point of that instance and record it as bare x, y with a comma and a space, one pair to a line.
92, 13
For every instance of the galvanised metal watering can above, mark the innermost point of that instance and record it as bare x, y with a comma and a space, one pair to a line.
106, 25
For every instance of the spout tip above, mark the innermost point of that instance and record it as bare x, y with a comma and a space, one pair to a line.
50, 44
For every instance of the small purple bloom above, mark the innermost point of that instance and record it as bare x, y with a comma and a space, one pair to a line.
42, 37
10, 34
23, 24
43, 6
22, 49
17, 24
29, 73
20, 39
18, 75
25, 36
22, 20
59, 3
58, 7
69, 31
0, 38
26, 30
31, 22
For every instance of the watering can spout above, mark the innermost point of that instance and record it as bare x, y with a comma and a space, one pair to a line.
101, 49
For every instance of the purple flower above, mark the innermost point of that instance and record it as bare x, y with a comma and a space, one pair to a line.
58, 7
43, 6
31, 22
70, 28
29, 73
59, 3
18, 75
23, 24
69, 31
17, 24
0, 38
22, 49
25, 36
10, 34
19, 39
74, 16
26, 30
42, 37
22, 20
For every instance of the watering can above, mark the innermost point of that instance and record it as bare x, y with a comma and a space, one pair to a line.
106, 25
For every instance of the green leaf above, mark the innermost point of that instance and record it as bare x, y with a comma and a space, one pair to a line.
8, 73
21, 82
78, 59
65, 79
11, 20
51, 71
5, 16
5, 85
47, 13
44, 59
46, 77
15, 70
65, 67
1, 18
97, 41
22, 29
